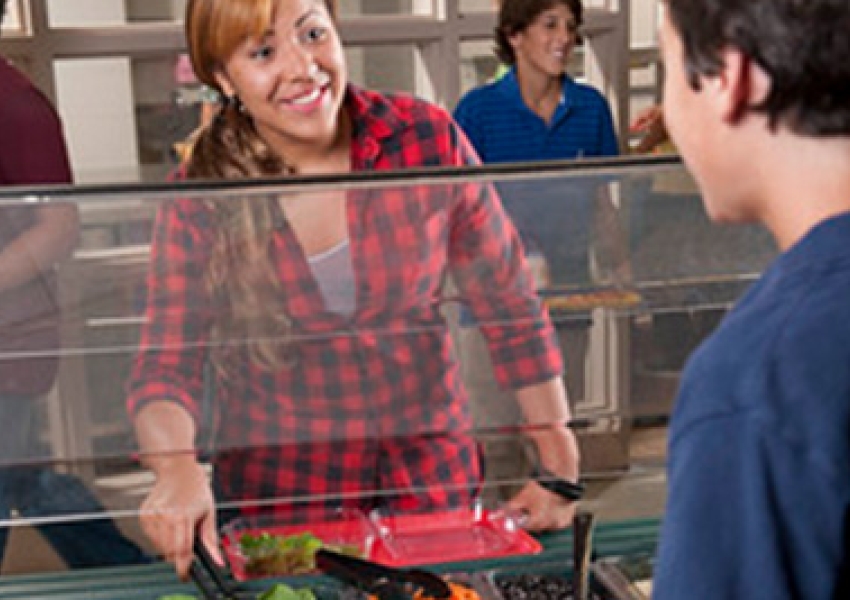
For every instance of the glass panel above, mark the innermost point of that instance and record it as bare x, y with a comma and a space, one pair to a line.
478, 64
470, 6
141, 11
632, 273
100, 129
116, 12
136, 132
90, 13
360, 8
86, 13
397, 67
12, 21
170, 104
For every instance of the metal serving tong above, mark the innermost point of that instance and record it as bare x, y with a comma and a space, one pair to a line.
386, 583
213, 580
582, 549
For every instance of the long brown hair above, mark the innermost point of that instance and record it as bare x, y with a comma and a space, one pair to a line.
241, 276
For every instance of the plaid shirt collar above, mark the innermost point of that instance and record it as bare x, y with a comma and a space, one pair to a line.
374, 118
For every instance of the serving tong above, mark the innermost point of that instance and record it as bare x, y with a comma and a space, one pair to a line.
212, 579
381, 581
582, 550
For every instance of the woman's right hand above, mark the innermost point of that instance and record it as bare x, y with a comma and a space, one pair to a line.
180, 506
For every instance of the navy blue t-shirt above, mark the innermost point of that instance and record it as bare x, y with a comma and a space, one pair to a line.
759, 471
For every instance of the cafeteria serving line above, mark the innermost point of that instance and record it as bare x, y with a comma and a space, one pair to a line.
479, 541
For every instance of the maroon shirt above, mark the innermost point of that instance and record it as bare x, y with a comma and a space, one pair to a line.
32, 151
32, 147
373, 400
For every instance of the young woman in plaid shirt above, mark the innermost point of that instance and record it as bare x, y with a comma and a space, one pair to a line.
347, 394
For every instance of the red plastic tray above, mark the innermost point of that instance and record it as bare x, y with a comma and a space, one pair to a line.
457, 536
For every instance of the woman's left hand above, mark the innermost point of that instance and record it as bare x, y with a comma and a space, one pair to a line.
547, 415
543, 510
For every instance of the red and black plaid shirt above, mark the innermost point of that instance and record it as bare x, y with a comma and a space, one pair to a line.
372, 401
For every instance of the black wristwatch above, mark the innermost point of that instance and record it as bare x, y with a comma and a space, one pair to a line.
567, 490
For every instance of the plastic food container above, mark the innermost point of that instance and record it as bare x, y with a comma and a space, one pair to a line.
541, 581
626, 577
290, 541
459, 535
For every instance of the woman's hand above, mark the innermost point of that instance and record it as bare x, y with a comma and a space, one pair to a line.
547, 413
180, 506
543, 510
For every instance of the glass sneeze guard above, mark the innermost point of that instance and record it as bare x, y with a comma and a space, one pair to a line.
368, 371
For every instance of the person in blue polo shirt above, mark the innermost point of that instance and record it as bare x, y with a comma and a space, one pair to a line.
536, 111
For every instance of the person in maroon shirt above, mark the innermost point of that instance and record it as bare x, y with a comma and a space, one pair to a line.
348, 392
32, 241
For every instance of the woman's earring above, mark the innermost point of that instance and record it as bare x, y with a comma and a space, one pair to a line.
236, 104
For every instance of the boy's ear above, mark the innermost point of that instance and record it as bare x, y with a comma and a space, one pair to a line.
514, 39
741, 85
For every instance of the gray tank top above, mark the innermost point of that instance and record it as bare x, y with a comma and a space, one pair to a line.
335, 276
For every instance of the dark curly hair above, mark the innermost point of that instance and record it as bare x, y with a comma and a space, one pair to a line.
802, 45
516, 15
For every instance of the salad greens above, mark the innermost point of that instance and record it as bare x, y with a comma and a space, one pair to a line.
269, 555
284, 592
277, 592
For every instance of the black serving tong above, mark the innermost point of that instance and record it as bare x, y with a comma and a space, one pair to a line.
386, 583
212, 579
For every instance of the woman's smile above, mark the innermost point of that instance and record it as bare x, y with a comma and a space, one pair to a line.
309, 99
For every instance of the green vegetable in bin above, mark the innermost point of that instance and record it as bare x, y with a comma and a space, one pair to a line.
269, 555
284, 592
278, 592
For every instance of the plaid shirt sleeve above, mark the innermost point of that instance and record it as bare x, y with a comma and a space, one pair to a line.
172, 352
490, 268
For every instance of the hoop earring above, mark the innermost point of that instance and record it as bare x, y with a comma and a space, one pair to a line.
235, 103
224, 104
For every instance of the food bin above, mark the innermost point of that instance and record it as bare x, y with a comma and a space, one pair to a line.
540, 581
626, 577
321, 590
292, 540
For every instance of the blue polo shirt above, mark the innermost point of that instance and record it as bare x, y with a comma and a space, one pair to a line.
759, 447
503, 129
